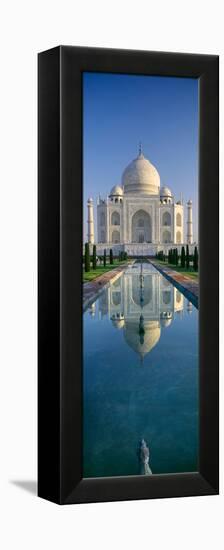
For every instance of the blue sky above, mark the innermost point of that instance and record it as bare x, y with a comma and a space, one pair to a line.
121, 110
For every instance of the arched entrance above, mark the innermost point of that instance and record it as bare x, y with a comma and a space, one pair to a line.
115, 236
141, 227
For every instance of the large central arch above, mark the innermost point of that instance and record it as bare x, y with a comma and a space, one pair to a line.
141, 227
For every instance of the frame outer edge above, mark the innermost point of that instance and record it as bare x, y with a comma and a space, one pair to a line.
48, 276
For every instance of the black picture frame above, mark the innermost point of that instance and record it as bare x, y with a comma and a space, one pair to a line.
60, 274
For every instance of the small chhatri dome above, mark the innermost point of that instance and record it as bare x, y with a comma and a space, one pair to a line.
166, 319
117, 190
141, 176
165, 192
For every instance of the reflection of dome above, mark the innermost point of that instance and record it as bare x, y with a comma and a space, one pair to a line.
166, 322
165, 192
118, 323
141, 176
166, 318
118, 320
117, 190
142, 345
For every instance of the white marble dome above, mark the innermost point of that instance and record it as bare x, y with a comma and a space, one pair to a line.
117, 190
141, 176
165, 192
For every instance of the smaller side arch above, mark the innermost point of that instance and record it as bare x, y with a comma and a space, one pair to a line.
115, 236
166, 237
178, 219
102, 218
166, 219
115, 218
102, 236
178, 237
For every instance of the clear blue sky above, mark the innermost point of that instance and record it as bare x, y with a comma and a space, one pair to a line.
121, 110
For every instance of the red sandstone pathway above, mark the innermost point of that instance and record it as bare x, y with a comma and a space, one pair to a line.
92, 289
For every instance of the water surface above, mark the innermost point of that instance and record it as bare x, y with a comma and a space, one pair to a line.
140, 379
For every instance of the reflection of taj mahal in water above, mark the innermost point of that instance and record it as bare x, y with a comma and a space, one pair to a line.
139, 216
140, 303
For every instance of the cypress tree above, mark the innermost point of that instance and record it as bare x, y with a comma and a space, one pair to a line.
104, 257
87, 257
111, 256
187, 257
195, 259
176, 257
94, 256
183, 257
173, 256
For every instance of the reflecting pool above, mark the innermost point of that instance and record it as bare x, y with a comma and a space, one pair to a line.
140, 378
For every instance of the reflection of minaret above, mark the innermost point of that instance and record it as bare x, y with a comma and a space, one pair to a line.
189, 223
92, 309
189, 307
90, 222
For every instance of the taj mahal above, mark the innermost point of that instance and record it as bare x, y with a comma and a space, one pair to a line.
139, 216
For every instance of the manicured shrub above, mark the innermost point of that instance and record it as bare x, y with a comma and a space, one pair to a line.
87, 257
195, 259
94, 256
161, 256
183, 257
187, 257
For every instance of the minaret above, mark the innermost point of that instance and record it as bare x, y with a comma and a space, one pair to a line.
189, 223
90, 222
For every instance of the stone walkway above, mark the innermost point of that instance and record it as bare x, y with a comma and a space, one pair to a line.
186, 285
92, 289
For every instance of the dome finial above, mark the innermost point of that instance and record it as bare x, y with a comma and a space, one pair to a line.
140, 148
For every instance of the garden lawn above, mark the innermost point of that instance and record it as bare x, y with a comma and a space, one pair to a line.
187, 272
100, 269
